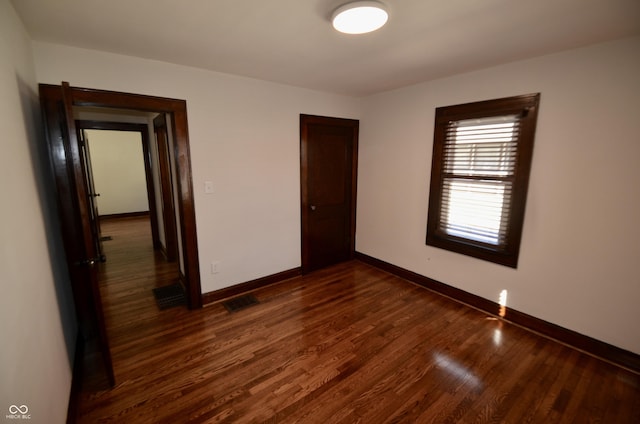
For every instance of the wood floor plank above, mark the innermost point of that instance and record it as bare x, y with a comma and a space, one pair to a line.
346, 344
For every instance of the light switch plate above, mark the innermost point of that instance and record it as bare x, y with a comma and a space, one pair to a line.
215, 267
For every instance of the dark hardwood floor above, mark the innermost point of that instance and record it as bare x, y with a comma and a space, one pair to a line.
347, 344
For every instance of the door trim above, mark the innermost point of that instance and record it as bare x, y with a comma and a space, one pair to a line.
305, 120
177, 112
170, 248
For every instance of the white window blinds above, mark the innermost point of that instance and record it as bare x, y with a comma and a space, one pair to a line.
479, 167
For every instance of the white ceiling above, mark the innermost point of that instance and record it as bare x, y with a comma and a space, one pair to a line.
292, 41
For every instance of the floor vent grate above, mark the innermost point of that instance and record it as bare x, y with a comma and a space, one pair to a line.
170, 296
240, 302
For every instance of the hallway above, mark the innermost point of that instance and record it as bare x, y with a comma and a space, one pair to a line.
132, 270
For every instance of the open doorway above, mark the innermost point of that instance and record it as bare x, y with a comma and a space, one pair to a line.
61, 107
132, 175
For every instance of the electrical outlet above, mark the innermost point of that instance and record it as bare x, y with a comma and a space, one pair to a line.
215, 267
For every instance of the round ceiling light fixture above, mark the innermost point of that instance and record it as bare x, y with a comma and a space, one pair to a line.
360, 17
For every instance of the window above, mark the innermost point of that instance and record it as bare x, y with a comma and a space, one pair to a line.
479, 177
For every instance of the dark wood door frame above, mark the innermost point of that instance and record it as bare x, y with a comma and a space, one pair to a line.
176, 111
143, 129
305, 204
170, 248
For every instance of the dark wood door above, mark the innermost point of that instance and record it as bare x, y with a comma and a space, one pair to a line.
328, 165
166, 188
94, 215
70, 172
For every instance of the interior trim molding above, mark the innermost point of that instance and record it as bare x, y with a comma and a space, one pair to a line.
597, 348
182, 278
235, 290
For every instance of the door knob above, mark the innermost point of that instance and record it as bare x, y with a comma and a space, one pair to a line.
313, 207
87, 262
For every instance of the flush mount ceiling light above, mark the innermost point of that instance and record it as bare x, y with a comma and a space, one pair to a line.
359, 17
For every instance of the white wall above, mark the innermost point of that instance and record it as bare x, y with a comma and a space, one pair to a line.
244, 137
118, 171
37, 325
580, 251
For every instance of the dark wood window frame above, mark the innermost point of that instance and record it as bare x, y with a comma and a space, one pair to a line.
506, 250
